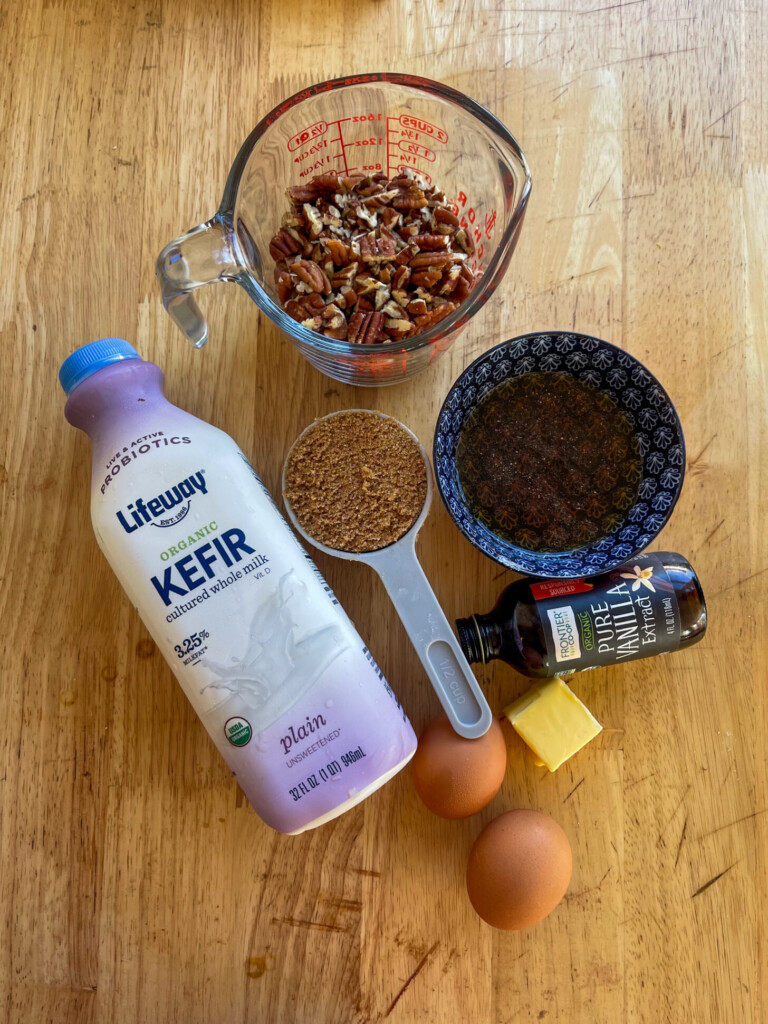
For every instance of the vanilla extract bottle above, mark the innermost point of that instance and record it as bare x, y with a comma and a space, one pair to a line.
651, 605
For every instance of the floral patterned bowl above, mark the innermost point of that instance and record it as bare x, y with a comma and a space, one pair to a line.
634, 389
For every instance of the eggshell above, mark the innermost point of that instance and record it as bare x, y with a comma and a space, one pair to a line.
519, 869
456, 777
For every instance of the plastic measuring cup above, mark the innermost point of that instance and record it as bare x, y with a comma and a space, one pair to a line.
411, 593
374, 122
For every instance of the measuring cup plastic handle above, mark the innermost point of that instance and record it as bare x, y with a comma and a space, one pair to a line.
433, 639
201, 256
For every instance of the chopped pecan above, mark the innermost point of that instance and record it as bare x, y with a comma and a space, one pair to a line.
326, 182
349, 296
332, 316
445, 216
417, 308
313, 276
363, 258
431, 241
429, 259
412, 199
450, 280
465, 284
376, 250
402, 277
283, 244
302, 193
344, 276
314, 220
364, 328
390, 218
284, 284
399, 327
423, 323
406, 255
427, 278
464, 239
338, 251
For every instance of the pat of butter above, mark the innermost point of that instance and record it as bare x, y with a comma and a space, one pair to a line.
553, 722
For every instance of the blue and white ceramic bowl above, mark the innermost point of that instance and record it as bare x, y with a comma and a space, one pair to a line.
637, 393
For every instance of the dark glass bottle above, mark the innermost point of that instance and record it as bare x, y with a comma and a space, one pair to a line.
652, 604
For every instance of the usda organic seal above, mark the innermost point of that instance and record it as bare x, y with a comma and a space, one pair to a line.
238, 731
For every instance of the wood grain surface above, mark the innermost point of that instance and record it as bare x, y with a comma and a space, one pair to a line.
135, 883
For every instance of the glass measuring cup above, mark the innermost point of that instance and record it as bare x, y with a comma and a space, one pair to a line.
374, 122
410, 592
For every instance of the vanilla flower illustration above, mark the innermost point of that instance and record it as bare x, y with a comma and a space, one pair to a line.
641, 577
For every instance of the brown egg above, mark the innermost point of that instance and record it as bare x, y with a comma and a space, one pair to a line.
457, 777
519, 869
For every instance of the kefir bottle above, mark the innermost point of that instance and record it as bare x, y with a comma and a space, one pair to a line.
268, 658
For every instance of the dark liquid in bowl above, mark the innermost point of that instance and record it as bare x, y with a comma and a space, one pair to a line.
548, 462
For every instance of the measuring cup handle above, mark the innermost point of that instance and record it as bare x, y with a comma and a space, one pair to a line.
202, 256
433, 639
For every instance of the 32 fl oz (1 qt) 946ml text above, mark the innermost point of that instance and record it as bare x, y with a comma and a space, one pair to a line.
331, 769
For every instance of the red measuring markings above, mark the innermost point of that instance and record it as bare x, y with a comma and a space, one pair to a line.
468, 219
303, 137
415, 123
416, 150
314, 152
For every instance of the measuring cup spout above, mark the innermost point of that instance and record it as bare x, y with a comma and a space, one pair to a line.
202, 256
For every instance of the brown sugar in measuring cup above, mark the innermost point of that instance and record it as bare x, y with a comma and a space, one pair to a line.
357, 485
356, 482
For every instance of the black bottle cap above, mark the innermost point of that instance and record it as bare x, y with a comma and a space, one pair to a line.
470, 640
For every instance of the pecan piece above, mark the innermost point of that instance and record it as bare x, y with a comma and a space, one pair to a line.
313, 219
302, 193
339, 252
423, 323
349, 297
344, 276
464, 239
401, 278
283, 244
284, 284
333, 317
430, 259
465, 284
351, 181
417, 308
390, 218
412, 199
398, 327
431, 241
427, 278
376, 250
312, 303
406, 255
445, 216
365, 328
327, 182
450, 280
294, 310
313, 276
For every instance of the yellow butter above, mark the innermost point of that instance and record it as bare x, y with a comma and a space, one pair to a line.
553, 722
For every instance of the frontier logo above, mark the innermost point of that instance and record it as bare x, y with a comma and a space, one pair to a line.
165, 509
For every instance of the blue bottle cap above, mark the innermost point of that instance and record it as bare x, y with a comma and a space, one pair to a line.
92, 357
